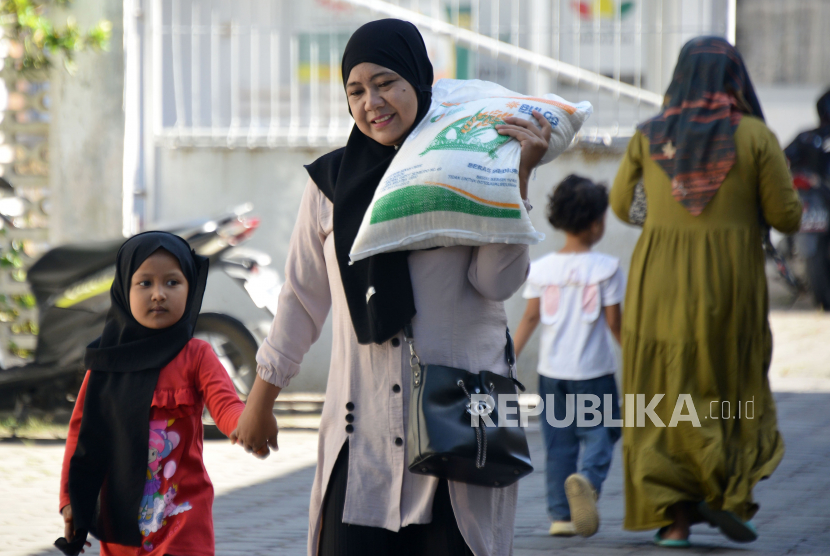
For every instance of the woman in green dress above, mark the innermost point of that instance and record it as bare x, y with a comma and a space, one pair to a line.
695, 325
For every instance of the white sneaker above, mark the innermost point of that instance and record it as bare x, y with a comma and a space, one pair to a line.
582, 498
562, 529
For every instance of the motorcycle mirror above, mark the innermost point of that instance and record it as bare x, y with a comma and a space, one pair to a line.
243, 209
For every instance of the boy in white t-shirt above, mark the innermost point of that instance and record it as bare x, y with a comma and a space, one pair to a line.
576, 294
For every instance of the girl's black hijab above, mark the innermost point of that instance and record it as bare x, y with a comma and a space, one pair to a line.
108, 470
378, 289
692, 139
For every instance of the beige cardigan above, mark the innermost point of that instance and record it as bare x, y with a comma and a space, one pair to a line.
459, 297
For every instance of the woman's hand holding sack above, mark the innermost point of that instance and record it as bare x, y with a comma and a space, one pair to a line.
534, 141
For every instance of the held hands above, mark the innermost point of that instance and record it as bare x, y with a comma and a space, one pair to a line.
533, 140
256, 431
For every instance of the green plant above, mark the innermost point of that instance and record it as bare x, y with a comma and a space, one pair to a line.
32, 427
20, 352
33, 41
34, 38
11, 306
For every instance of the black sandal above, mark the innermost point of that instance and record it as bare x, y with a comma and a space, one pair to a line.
728, 523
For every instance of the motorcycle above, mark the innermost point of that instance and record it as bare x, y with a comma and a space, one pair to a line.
812, 242
808, 251
806, 254
71, 286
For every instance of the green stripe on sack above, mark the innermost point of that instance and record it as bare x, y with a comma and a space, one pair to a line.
418, 199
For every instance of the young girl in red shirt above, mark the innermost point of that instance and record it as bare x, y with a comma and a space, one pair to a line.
133, 474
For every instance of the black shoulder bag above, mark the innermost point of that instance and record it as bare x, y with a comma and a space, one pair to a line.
443, 440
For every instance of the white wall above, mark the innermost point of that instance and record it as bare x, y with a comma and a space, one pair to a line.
195, 183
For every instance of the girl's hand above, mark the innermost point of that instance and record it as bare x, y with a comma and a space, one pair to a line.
534, 142
69, 525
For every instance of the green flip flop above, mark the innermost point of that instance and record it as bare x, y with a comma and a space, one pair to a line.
670, 543
729, 524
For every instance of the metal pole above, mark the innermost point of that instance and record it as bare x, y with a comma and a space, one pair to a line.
731, 20
195, 69
253, 128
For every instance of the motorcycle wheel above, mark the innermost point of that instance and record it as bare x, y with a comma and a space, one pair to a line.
236, 349
818, 273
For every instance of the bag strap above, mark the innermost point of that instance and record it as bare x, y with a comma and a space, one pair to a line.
415, 361
510, 356
509, 350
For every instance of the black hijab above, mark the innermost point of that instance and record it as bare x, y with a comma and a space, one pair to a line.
108, 470
378, 289
692, 139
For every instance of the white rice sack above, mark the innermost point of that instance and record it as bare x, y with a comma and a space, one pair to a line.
455, 180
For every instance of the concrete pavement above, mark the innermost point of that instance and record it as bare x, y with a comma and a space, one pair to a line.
793, 518
261, 508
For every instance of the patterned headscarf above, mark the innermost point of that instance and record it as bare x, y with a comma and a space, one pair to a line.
692, 139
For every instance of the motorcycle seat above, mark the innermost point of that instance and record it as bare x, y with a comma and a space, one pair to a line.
64, 265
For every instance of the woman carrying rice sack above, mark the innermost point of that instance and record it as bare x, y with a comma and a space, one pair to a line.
695, 321
364, 499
